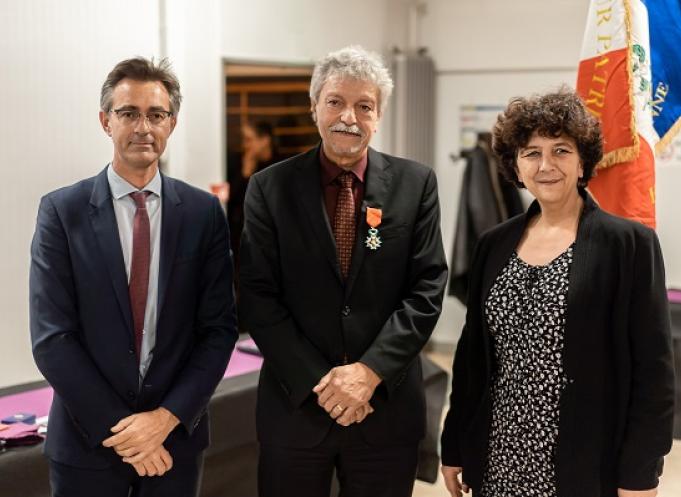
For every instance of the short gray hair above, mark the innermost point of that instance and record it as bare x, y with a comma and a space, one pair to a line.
353, 62
141, 69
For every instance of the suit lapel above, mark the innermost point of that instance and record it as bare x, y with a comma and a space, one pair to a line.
498, 256
501, 252
171, 221
579, 278
377, 182
311, 198
103, 220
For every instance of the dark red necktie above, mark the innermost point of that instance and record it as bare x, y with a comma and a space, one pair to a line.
344, 223
139, 266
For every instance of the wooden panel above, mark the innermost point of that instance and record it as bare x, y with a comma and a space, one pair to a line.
250, 70
270, 111
281, 101
274, 87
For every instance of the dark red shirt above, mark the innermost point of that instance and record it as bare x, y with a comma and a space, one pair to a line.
330, 185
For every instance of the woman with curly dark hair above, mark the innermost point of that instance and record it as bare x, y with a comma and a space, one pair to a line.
563, 377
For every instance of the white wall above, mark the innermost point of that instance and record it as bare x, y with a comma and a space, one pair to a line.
667, 185
496, 34
300, 30
196, 151
55, 56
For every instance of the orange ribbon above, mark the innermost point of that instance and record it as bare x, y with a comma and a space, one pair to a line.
374, 217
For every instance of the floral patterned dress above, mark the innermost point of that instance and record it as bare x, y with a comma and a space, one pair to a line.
525, 313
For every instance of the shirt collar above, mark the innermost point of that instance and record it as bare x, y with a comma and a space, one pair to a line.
330, 171
120, 187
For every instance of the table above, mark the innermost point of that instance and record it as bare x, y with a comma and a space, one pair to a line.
230, 466
230, 460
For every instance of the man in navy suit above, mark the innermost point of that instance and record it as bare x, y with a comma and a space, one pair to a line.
131, 303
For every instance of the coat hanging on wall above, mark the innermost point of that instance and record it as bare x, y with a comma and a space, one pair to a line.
486, 200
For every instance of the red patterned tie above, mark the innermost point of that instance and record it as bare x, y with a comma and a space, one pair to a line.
139, 266
344, 223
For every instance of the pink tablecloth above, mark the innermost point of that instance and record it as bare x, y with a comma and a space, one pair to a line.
38, 401
674, 296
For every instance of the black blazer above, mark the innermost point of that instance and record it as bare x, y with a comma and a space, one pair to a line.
305, 319
81, 322
617, 409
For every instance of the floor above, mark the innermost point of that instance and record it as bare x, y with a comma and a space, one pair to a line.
670, 484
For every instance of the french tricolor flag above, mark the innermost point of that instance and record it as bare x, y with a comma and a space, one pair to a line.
630, 78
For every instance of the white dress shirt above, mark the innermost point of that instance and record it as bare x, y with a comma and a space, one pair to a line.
124, 208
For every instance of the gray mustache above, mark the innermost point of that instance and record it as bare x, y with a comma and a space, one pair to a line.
347, 129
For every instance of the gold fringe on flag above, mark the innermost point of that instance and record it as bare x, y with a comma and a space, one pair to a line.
623, 154
668, 137
632, 102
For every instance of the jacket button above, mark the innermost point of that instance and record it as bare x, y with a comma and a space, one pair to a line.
131, 351
131, 394
346, 311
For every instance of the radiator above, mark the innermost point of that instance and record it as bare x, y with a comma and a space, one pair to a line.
411, 113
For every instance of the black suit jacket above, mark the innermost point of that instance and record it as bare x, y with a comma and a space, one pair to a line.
81, 322
305, 319
616, 411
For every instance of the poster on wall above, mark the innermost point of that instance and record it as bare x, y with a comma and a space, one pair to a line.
476, 119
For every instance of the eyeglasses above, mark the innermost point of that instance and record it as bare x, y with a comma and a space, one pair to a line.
132, 116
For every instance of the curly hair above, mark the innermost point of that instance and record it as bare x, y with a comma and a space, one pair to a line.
549, 115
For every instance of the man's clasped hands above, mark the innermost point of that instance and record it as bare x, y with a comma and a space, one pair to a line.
345, 391
139, 439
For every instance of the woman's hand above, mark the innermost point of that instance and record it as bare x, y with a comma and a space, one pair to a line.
637, 493
455, 487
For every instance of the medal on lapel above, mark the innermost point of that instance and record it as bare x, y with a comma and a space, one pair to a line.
373, 241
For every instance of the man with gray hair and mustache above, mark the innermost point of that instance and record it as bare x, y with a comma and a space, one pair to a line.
342, 276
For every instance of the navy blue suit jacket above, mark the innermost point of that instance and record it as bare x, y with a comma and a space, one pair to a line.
81, 322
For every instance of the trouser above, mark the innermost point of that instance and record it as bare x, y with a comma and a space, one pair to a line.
362, 470
121, 480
